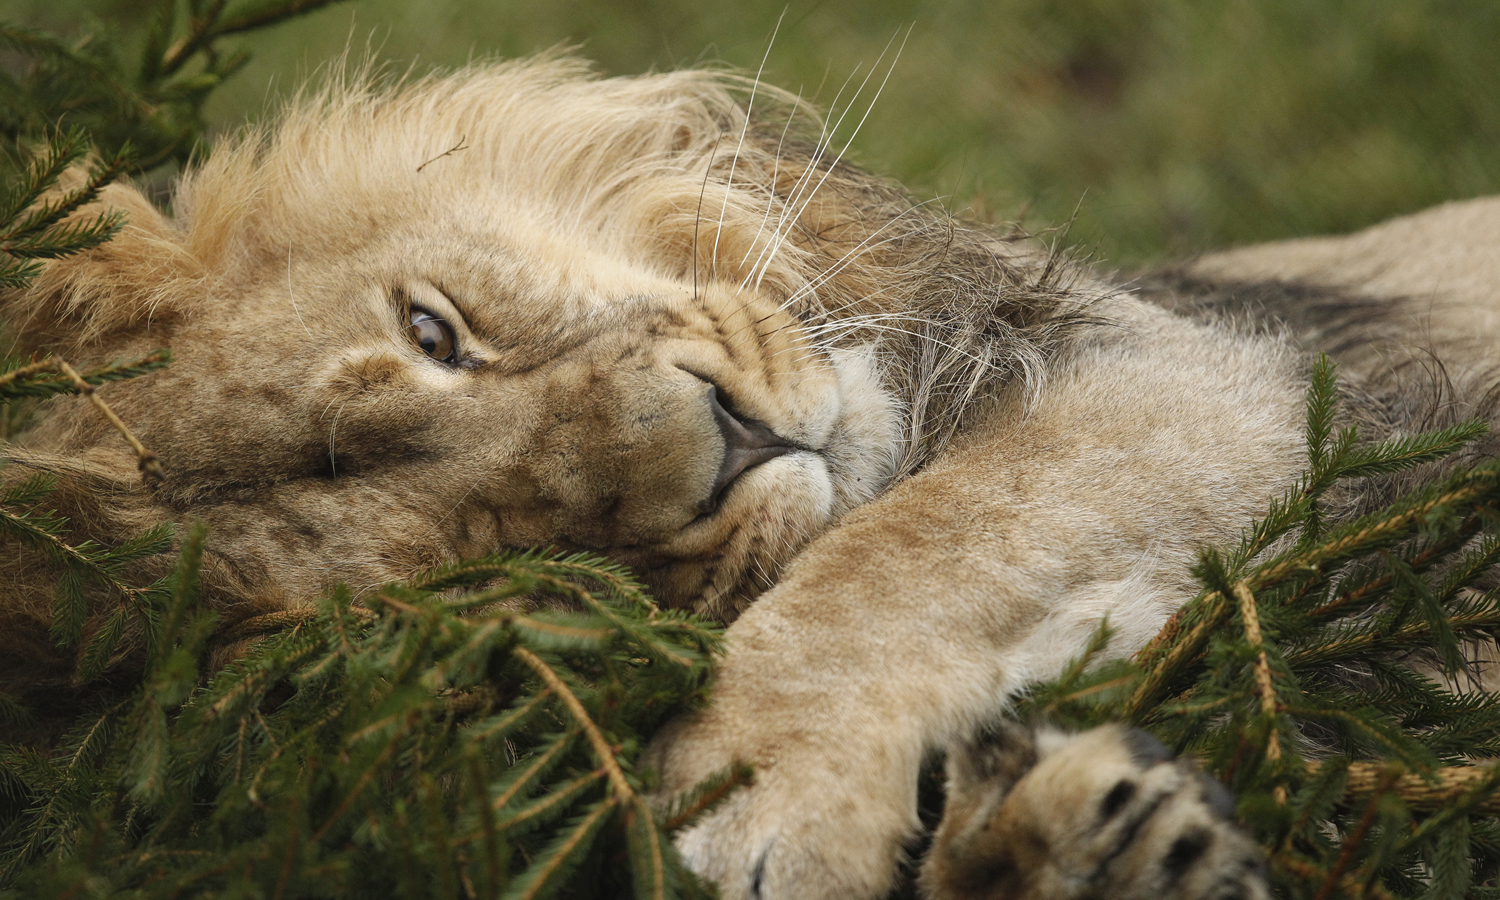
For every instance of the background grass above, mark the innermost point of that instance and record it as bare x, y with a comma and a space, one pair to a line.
1169, 126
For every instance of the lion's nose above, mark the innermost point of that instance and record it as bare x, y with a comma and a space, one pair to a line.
747, 444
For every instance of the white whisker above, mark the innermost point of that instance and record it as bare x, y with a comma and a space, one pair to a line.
850, 142
848, 258
770, 199
333, 433
698, 216
825, 139
744, 129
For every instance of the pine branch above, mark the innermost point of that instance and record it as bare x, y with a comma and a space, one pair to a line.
544, 876
700, 801
38, 177
339, 729
1265, 687
205, 29
35, 232
150, 467
43, 531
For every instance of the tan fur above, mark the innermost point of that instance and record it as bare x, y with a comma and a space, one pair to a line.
993, 449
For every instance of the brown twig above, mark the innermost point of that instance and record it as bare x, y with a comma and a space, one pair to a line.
1170, 649
1476, 484
276, 621
741, 775
1405, 633
1418, 563
1177, 650
456, 148
1263, 682
30, 368
522, 780
150, 468
658, 868
1447, 785
462, 704
1309, 872
365, 778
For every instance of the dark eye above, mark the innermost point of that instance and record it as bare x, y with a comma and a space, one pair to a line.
433, 335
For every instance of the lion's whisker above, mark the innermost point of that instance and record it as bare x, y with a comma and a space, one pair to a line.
698, 216
838, 267
833, 332
825, 139
855, 133
767, 252
744, 129
770, 199
333, 431
848, 259
985, 364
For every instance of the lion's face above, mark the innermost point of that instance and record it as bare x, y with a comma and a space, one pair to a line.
381, 365
460, 384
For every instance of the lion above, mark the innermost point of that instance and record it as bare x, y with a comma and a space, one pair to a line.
914, 460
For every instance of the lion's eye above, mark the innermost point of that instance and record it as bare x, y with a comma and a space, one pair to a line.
433, 335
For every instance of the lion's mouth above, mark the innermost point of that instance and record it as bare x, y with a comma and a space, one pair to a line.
747, 444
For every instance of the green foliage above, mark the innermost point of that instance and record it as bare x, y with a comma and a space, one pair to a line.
68, 99
43, 379
62, 100
86, 568
152, 102
448, 739
72, 116
1321, 674
433, 742
476, 733
34, 231
437, 741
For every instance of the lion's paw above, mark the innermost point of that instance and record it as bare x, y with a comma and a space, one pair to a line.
806, 828
1107, 814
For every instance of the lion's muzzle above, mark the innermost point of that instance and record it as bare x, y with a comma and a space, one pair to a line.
747, 443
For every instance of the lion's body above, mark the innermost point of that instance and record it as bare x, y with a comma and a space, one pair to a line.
682, 337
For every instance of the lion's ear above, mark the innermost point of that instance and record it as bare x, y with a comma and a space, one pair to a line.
84, 304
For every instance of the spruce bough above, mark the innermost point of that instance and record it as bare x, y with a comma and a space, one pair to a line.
434, 741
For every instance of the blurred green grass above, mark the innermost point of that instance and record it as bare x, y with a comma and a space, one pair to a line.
1159, 128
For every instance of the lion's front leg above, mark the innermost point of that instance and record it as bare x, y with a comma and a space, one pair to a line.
1109, 813
922, 613
834, 689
